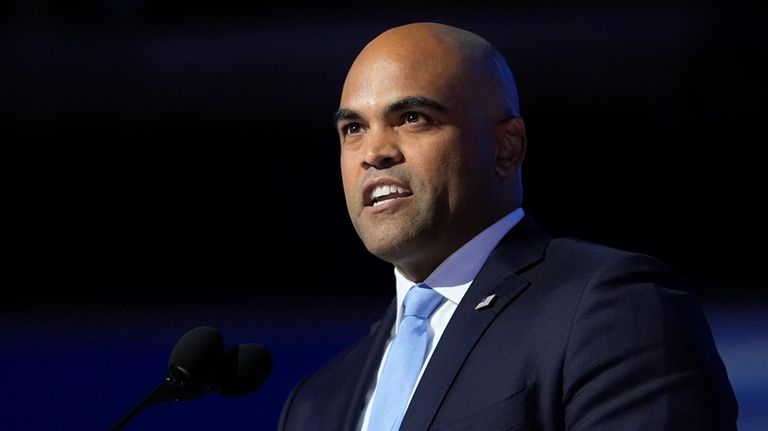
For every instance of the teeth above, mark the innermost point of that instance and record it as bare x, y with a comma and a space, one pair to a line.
384, 190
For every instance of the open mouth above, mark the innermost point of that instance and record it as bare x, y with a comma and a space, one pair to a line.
382, 193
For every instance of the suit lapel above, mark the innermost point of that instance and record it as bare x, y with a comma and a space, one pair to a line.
379, 337
522, 247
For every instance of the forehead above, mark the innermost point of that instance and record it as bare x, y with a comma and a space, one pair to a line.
381, 78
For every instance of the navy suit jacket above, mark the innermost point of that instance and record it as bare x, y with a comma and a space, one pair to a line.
579, 337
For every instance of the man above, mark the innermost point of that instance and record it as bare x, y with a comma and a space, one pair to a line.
530, 332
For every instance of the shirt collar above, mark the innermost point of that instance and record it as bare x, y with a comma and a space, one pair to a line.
454, 275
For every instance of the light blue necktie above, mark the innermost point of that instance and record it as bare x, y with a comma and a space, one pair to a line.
405, 358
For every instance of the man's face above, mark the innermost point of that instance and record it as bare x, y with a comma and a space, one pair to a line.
417, 157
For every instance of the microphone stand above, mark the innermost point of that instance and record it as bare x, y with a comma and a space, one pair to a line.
162, 392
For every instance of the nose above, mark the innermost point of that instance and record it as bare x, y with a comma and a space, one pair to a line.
382, 151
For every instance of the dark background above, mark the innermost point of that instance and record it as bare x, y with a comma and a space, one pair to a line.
169, 164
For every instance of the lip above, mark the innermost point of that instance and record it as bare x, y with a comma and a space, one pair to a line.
371, 184
388, 206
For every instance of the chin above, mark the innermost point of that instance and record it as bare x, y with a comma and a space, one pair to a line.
384, 252
388, 249
393, 241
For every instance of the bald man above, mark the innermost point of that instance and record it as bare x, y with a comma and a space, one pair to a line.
531, 332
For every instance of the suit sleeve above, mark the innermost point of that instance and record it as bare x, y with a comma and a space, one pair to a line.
640, 355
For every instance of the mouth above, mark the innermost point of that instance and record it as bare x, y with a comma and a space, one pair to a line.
381, 192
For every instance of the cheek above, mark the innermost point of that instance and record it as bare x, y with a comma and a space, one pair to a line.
442, 168
453, 176
348, 180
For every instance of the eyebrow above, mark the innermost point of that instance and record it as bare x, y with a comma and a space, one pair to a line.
346, 114
400, 105
415, 102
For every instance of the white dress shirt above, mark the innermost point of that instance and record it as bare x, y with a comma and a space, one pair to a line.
451, 279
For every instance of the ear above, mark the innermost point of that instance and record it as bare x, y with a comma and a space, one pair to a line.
510, 146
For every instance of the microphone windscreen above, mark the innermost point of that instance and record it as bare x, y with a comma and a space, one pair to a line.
243, 369
194, 359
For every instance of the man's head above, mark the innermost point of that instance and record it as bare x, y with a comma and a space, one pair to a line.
431, 143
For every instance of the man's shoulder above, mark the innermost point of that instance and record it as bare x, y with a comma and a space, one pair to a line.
583, 259
586, 247
585, 252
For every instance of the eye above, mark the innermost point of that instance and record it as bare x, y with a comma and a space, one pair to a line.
413, 117
351, 128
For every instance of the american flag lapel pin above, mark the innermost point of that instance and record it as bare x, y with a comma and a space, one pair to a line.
485, 302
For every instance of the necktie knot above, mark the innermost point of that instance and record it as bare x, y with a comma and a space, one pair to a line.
421, 301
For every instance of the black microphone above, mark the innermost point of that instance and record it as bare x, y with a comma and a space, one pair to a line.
192, 366
198, 365
190, 369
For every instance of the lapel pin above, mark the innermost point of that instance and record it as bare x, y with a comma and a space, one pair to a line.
486, 302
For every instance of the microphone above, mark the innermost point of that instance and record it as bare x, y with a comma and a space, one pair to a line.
192, 365
198, 365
